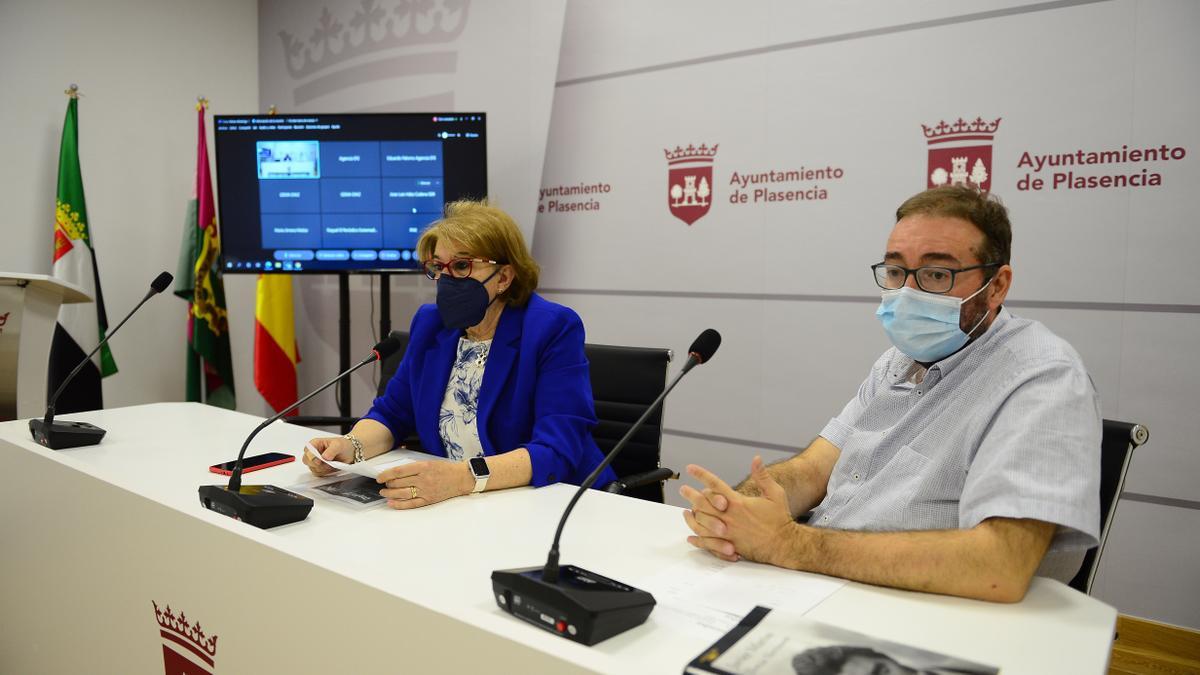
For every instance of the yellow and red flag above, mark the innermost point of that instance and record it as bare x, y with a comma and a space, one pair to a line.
275, 351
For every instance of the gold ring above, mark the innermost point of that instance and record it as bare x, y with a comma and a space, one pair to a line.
412, 491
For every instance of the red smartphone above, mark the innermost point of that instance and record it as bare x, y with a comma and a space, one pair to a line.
254, 463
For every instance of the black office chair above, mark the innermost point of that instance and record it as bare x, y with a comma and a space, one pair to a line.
1116, 450
624, 381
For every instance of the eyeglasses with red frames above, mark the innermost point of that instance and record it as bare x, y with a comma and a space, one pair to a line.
459, 268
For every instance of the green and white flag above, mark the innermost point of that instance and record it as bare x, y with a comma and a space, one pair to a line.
80, 326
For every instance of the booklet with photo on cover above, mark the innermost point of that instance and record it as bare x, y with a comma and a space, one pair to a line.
767, 642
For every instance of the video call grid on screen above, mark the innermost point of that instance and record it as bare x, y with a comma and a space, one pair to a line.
336, 193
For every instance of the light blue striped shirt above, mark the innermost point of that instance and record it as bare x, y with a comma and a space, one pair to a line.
1008, 427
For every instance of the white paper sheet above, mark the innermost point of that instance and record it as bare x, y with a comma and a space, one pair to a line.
375, 466
705, 596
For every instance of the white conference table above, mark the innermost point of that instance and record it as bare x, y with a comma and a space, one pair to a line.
93, 536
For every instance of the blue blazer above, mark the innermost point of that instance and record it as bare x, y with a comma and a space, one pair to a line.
536, 392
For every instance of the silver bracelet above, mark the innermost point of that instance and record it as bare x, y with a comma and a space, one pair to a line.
358, 448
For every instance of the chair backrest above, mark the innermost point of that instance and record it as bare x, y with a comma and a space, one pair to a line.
624, 381
388, 368
1116, 450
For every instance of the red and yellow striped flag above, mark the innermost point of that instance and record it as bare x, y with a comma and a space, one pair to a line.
275, 350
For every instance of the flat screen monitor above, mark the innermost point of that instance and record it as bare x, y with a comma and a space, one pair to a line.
343, 192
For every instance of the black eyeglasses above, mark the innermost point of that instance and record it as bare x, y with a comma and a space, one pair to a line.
929, 278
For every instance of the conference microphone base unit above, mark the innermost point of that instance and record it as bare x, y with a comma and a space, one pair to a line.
581, 606
63, 435
263, 506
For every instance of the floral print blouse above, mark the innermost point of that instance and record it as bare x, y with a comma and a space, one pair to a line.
456, 422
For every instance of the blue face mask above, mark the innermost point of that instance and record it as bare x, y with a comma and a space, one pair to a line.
462, 303
925, 326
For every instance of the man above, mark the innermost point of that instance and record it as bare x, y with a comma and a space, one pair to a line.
969, 460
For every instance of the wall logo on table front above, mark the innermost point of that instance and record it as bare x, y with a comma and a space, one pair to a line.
960, 153
186, 650
690, 181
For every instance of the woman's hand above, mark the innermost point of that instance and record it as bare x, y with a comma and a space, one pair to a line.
330, 447
411, 486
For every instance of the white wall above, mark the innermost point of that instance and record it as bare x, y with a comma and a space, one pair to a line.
783, 85
140, 65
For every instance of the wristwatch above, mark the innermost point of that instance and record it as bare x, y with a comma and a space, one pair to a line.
481, 472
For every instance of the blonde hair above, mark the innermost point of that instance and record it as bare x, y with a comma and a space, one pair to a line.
487, 232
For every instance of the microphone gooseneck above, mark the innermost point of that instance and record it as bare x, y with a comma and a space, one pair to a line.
160, 282
388, 346
701, 351
267, 506
573, 602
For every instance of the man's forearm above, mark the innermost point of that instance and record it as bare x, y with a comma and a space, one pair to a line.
994, 561
797, 478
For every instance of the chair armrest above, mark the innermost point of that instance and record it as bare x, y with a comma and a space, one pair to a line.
620, 485
319, 420
323, 421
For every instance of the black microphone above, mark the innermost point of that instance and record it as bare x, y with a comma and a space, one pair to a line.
580, 605
702, 349
61, 435
268, 506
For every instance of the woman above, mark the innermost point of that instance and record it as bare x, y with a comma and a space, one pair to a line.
494, 375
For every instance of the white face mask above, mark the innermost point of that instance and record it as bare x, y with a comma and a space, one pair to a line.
925, 326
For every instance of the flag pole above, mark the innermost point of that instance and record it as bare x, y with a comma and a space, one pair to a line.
202, 105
